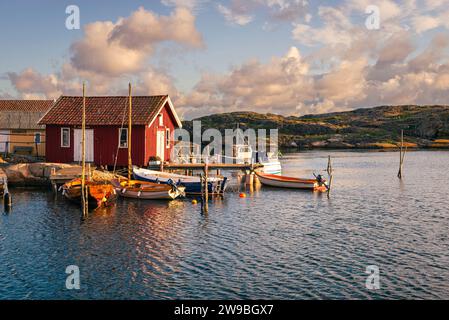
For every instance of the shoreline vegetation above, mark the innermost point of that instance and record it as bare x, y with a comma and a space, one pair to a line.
425, 127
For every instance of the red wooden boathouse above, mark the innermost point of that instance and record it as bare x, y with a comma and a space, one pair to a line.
154, 121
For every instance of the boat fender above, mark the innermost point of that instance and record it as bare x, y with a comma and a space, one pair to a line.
139, 194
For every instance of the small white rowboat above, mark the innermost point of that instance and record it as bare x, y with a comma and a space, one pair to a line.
147, 190
292, 183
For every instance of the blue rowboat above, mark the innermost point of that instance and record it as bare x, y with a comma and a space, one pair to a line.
192, 184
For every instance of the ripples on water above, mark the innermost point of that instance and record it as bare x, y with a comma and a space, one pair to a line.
275, 244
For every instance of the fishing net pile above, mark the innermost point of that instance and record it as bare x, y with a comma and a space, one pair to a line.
104, 176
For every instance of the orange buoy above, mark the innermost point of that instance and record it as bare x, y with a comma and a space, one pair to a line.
243, 195
194, 201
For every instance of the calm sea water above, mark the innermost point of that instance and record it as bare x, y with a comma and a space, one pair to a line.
275, 244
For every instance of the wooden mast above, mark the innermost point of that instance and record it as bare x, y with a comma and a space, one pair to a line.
83, 154
130, 162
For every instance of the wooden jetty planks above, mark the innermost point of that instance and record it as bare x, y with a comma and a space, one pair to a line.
66, 174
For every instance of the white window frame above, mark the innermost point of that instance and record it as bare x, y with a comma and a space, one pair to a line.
161, 120
62, 137
120, 138
167, 138
40, 137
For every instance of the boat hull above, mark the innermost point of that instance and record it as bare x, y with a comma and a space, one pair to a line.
99, 195
192, 185
147, 191
148, 195
290, 183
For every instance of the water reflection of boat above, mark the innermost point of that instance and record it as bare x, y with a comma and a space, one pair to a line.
99, 194
216, 185
317, 184
147, 190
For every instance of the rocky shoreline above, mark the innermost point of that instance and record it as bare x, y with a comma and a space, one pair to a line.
38, 174
338, 143
31, 174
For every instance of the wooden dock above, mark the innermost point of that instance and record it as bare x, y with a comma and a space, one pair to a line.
65, 175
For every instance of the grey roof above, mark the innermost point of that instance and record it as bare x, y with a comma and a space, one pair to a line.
20, 120
23, 114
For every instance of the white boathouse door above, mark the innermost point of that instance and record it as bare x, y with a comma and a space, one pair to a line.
78, 145
160, 145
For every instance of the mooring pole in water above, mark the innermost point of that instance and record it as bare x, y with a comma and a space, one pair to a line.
206, 188
330, 171
53, 183
7, 200
402, 153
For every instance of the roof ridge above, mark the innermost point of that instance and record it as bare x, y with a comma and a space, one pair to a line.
103, 110
120, 96
26, 100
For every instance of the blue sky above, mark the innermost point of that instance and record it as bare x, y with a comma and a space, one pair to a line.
282, 56
40, 26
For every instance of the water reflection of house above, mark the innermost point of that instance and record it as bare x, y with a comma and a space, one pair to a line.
19, 129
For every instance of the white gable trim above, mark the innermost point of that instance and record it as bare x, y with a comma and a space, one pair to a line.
172, 109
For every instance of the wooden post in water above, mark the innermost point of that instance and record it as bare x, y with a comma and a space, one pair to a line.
53, 183
206, 187
330, 171
402, 153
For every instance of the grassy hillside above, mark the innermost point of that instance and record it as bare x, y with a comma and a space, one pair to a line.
380, 127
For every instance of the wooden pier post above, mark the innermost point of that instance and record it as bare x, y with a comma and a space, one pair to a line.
402, 153
7, 198
54, 185
249, 180
206, 188
330, 171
